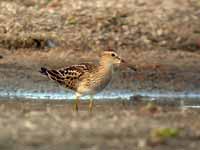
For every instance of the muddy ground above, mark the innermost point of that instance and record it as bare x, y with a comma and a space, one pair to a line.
115, 125
160, 38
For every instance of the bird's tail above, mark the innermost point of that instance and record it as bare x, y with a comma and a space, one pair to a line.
53, 75
44, 71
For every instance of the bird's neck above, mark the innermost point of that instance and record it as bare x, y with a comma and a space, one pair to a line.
105, 66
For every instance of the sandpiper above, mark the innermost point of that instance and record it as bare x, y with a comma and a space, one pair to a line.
86, 78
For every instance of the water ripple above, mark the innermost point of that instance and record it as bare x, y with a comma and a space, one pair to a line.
114, 94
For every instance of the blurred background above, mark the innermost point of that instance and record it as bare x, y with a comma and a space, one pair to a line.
160, 37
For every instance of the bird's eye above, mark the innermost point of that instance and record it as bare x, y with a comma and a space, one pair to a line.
113, 55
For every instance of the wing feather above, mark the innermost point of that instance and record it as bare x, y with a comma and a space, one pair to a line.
70, 76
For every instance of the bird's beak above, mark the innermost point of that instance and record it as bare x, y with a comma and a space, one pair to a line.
126, 64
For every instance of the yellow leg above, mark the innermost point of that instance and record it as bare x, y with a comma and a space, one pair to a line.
91, 104
76, 103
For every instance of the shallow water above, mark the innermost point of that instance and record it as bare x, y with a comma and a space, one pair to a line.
111, 95
184, 99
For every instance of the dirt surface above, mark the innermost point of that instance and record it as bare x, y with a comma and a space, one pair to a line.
52, 125
159, 37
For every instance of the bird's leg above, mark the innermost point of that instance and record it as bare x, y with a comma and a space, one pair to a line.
76, 102
91, 103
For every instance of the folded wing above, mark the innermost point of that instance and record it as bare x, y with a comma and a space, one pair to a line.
69, 76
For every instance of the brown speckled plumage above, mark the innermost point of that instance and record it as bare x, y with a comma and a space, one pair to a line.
70, 76
85, 78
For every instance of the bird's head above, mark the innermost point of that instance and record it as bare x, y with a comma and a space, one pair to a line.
110, 57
